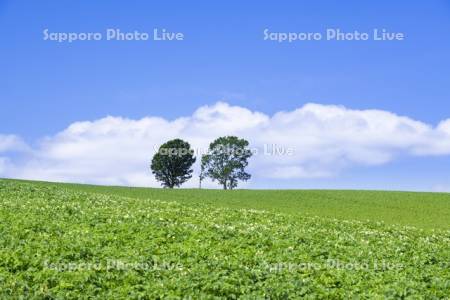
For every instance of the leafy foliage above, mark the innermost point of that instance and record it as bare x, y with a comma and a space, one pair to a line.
172, 164
423, 210
56, 243
226, 161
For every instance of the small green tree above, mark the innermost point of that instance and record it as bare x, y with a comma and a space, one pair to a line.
172, 164
226, 161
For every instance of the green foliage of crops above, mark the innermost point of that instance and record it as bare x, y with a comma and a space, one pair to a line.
62, 243
422, 210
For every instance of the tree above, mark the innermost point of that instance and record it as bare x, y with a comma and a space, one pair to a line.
172, 164
226, 161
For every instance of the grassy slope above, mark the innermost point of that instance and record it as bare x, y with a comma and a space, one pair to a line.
50, 235
422, 210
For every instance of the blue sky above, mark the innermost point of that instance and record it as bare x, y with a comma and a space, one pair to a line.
46, 86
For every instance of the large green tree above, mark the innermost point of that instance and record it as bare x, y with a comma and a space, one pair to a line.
226, 161
172, 164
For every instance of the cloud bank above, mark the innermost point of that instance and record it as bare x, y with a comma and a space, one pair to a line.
313, 141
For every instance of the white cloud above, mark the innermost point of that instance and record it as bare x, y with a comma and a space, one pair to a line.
11, 142
324, 139
8, 144
441, 188
3, 164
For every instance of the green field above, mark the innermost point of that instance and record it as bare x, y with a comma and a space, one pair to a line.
422, 210
66, 241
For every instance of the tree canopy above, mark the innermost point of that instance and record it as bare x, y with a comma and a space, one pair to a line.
172, 164
226, 161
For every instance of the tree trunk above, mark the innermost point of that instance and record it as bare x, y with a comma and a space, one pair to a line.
224, 185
